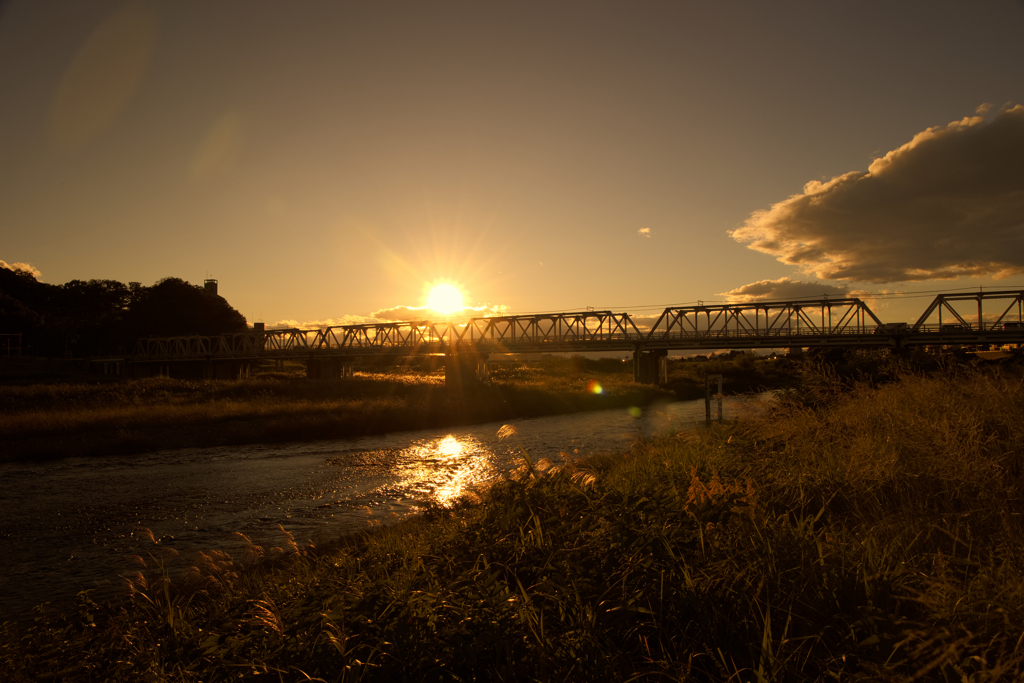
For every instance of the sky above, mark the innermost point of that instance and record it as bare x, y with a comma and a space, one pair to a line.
329, 162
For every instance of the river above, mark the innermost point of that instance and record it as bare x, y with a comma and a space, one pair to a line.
67, 525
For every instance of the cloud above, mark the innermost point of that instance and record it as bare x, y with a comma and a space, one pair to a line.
403, 313
949, 203
395, 314
25, 267
644, 232
321, 324
784, 288
644, 322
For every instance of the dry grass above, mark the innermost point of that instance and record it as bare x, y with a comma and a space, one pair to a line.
864, 533
57, 420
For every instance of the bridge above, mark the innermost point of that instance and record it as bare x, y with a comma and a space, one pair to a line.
962, 318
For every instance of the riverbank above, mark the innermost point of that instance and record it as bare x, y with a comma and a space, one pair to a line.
872, 533
52, 420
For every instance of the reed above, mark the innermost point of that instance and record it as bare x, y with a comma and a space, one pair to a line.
867, 532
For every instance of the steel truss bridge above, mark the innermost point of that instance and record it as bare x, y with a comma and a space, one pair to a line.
988, 318
962, 318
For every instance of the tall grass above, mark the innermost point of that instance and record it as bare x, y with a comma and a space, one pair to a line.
873, 533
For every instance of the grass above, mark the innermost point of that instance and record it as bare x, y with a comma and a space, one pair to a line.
58, 420
863, 532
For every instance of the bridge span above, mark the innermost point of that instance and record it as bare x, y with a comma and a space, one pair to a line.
961, 318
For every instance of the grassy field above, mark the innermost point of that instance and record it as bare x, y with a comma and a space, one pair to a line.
860, 531
63, 419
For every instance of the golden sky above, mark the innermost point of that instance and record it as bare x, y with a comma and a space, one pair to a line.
329, 161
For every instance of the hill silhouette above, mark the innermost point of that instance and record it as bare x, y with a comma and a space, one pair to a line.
96, 317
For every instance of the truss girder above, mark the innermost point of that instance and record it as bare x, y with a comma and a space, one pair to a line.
812, 317
808, 322
1011, 305
520, 333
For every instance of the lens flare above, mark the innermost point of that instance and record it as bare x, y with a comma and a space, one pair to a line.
594, 388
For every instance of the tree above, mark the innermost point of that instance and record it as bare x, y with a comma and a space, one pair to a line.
26, 301
93, 307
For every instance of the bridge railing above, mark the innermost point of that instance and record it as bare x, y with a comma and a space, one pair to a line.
175, 347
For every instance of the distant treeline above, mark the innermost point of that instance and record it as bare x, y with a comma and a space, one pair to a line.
96, 317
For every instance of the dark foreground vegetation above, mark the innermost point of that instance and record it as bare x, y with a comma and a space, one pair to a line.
861, 530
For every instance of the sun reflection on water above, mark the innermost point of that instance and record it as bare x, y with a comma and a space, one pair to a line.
449, 446
442, 470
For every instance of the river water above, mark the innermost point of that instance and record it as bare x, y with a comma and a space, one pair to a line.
67, 525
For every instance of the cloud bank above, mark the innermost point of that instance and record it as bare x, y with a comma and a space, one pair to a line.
403, 313
784, 288
28, 268
321, 324
949, 203
394, 314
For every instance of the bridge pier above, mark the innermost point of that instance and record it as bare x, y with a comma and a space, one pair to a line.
650, 367
153, 369
192, 369
328, 368
465, 369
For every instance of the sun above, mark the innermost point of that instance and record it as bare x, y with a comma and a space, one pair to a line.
445, 298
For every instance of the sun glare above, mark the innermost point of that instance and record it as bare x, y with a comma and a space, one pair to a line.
445, 299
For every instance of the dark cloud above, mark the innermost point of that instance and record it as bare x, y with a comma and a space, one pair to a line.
784, 288
948, 203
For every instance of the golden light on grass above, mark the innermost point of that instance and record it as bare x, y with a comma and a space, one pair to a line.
445, 298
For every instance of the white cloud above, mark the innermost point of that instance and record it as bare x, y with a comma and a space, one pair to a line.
949, 203
644, 232
784, 288
25, 267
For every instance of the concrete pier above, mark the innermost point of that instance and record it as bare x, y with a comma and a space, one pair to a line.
192, 369
465, 369
328, 368
650, 367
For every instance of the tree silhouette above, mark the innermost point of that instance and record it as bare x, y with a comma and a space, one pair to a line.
83, 318
93, 307
173, 307
24, 301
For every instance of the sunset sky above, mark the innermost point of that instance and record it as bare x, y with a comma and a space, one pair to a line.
330, 161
